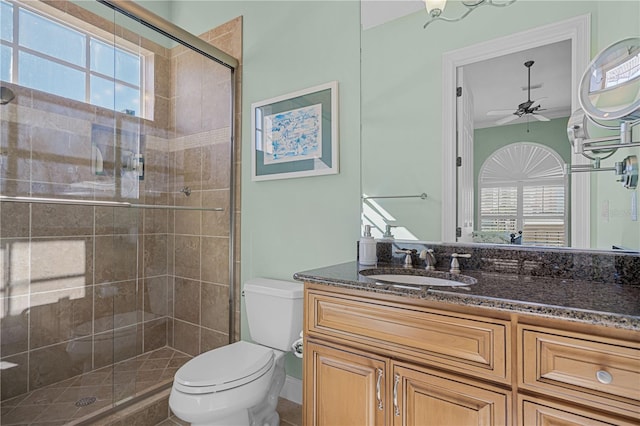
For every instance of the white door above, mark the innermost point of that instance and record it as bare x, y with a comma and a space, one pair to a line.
465, 197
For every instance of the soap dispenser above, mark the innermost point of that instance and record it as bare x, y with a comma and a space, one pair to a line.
367, 248
387, 233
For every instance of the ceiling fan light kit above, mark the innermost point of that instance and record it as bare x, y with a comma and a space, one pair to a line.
609, 93
435, 9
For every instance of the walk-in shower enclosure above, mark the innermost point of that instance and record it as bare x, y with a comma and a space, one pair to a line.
117, 205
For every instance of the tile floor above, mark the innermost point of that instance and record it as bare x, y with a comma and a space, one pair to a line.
59, 403
290, 415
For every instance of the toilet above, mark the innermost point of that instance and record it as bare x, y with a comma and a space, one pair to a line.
239, 384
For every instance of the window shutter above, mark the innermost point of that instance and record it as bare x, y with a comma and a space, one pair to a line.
536, 205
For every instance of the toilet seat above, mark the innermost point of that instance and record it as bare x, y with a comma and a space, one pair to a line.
224, 368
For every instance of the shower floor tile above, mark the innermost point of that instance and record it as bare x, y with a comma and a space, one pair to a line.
56, 404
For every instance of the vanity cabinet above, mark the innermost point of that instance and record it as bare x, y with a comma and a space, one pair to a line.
348, 387
368, 363
377, 360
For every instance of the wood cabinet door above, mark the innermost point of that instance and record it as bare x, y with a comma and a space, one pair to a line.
423, 397
343, 388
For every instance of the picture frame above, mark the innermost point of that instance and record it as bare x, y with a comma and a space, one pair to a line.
295, 135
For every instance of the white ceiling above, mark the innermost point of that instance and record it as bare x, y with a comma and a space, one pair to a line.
377, 12
501, 83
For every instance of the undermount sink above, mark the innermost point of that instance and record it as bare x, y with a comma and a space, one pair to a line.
419, 278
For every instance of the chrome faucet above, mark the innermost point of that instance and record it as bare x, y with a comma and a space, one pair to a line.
455, 265
408, 260
429, 259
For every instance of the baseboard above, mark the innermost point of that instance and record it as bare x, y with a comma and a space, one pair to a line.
292, 390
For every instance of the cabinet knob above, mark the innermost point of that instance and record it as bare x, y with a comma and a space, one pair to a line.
604, 377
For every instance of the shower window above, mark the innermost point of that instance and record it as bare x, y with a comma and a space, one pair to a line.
45, 54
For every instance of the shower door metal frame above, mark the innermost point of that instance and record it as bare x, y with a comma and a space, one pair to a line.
185, 38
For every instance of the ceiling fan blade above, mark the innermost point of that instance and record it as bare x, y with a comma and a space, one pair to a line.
501, 112
540, 117
507, 119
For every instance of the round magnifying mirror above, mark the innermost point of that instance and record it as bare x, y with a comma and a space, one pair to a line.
610, 87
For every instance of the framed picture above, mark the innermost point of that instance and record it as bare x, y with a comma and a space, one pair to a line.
295, 135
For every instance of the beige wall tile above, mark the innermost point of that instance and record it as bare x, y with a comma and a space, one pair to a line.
61, 263
52, 364
57, 316
14, 381
215, 260
14, 220
155, 255
60, 156
188, 222
115, 305
186, 337
116, 258
155, 297
15, 266
156, 170
15, 139
187, 300
215, 223
59, 220
116, 346
187, 169
215, 307
116, 220
216, 167
187, 257
155, 334
14, 325
212, 339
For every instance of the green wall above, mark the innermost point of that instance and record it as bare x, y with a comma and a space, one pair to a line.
294, 224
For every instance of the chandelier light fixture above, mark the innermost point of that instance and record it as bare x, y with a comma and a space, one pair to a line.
436, 7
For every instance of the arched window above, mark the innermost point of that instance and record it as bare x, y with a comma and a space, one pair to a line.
523, 187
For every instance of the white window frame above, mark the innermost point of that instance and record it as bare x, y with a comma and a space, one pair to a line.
68, 21
520, 217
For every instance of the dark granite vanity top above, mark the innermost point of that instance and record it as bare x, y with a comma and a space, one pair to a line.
590, 301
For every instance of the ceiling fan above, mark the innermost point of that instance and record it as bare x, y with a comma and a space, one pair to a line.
526, 108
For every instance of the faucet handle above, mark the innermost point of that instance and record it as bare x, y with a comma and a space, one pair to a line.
429, 258
408, 260
455, 265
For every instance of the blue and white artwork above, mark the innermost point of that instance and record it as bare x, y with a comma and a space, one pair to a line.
293, 135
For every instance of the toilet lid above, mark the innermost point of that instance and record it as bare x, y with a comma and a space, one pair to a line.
224, 368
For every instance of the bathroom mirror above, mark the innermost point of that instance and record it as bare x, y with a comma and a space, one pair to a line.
403, 101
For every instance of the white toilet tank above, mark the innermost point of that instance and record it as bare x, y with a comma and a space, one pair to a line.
274, 311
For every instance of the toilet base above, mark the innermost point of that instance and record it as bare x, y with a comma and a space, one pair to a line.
264, 413
239, 418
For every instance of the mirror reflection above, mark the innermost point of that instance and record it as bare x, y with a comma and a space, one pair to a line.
517, 186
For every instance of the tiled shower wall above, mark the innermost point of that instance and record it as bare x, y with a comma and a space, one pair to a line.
83, 287
199, 155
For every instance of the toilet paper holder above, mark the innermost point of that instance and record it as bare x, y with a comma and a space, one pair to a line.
297, 347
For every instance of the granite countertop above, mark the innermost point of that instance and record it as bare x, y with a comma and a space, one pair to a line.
612, 305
